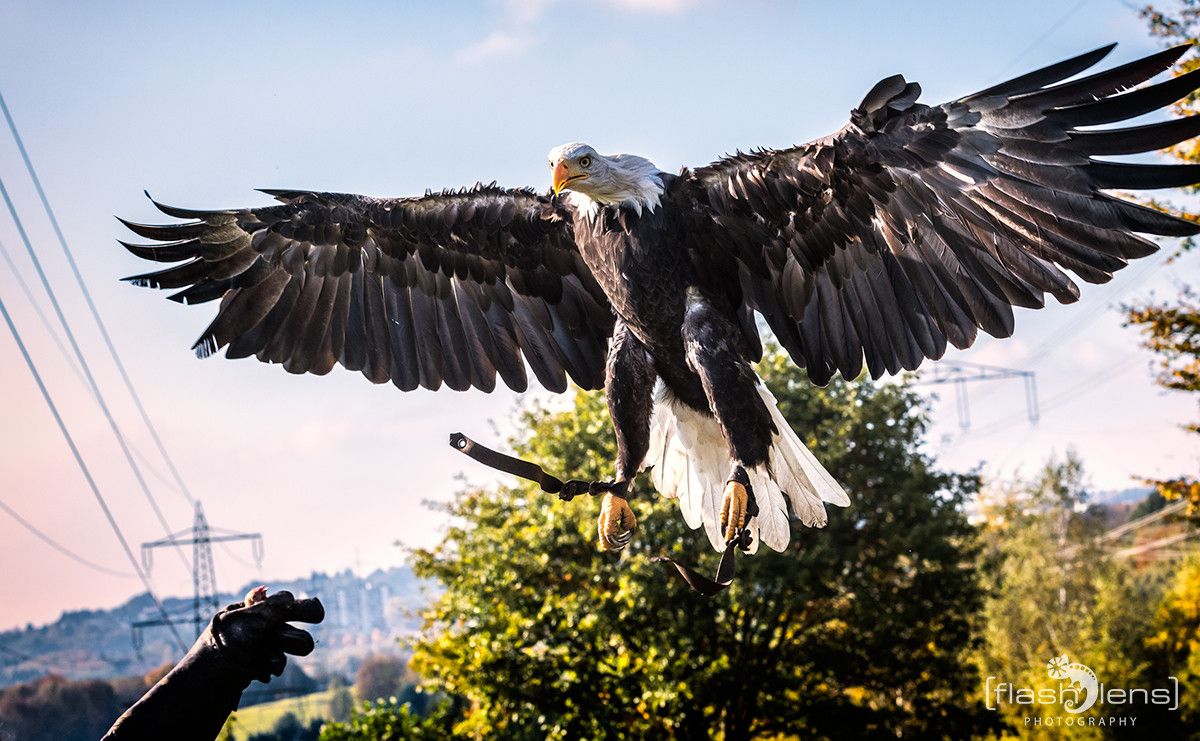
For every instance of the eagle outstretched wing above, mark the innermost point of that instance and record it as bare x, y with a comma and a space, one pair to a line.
916, 225
452, 287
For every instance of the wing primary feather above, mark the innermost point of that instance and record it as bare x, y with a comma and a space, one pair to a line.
1127, 105
378, 368
291, 334
1047, 75
425, 330
1105, 83
406, 374
539, 350
453, 340
1130, 176
1136, 139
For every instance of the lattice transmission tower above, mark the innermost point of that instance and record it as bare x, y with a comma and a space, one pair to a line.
961, 372
205, 601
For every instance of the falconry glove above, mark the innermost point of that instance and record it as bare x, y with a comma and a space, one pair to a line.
245, 641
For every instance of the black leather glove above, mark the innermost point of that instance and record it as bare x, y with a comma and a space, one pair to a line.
245, 641
254, 634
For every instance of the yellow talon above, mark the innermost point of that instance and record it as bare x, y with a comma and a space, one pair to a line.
733, 511
616, 523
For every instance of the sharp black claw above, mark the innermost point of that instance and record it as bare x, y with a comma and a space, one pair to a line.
744, 539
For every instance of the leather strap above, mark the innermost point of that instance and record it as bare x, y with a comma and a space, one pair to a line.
506, 463
726, 569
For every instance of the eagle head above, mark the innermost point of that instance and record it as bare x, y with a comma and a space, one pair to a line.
608, 180
575, 163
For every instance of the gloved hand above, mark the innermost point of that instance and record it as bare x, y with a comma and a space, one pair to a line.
247, 640
254, 634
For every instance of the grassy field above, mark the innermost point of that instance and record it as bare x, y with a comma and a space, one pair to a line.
262, 718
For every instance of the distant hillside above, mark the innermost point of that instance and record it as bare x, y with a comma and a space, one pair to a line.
1133, 495
363, 615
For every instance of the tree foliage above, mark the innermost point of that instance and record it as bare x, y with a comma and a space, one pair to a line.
1171, 328
1056, 591
379, 676
54, 708
341, 701
1176, 636
392, 720
859, 629
289, 727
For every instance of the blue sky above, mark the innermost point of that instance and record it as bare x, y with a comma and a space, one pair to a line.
201, 103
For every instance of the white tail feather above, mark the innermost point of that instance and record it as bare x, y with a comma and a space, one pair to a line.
689, 462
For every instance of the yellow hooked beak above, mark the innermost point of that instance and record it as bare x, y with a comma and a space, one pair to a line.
563, 176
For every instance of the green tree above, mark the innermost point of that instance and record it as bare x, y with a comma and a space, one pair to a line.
341, 702
1176, 636
1058, 592
1171, 327
54, 708
859, 629
390, 720
379, 676
1172, 330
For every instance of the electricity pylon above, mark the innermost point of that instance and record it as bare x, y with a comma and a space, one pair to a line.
204, 579
961, 372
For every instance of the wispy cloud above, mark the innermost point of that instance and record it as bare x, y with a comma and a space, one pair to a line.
521, 12
495, 44
654, 6
518, 16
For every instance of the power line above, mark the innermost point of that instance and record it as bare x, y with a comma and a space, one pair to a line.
41, 315
1077, 389
1056, 339
87, 474
1045, 35
83, 364
258, 555
1053, 342
60, 547
87, 295
1143, 521
147, 464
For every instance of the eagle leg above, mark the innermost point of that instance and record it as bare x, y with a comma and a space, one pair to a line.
629, 391
739, 506
730, 387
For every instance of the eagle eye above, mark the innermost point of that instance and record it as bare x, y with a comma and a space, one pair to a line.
585, 161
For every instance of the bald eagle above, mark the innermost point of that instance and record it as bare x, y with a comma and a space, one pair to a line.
911, 228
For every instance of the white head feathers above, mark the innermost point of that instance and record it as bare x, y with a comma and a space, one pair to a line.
608, 180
